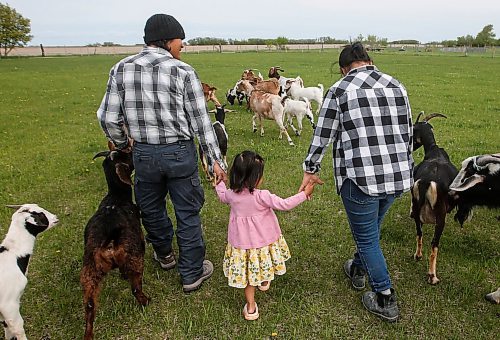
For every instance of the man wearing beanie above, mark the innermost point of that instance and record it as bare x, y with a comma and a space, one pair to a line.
154, 103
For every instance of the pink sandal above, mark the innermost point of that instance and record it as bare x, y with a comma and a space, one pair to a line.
253, 316
263, 287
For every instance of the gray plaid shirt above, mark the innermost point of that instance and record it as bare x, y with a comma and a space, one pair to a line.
367, 116
159, 100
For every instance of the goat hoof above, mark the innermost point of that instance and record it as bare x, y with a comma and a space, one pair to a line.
297, 133
143, 300
417, 257
254, 130
432, 279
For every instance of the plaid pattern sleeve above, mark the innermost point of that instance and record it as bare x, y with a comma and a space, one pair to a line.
196, 108
326, 129
367, 116
110, 114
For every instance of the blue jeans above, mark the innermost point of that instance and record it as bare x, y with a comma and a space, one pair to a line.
365, 214
171, 169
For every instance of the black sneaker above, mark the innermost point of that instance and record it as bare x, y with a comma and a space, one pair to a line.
208, 269
356, 274
384, 306
166, 262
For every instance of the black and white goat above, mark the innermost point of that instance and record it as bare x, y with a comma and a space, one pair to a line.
113, 237
233, 94
15, 251
430, 200
222, 138
477, 184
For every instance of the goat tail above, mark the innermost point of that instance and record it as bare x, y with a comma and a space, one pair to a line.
425, 191
321, 87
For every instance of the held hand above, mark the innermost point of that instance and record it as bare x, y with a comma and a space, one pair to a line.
308, 177
220, 174
130, 146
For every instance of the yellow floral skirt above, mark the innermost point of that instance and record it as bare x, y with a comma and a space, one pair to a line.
244, 267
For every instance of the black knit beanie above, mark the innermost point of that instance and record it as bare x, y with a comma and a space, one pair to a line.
162, 27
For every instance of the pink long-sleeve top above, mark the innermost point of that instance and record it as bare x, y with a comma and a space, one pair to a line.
252, 221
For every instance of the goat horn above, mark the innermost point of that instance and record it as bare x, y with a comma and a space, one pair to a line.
13, 206
101, 154
434, 115
419, 115
484, 160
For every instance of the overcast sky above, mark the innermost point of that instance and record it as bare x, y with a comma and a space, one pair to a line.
82, 22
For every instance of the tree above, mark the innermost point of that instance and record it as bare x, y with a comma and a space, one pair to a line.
14, 29
281, 42
486, 37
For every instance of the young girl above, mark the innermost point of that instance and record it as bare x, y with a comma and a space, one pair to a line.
256, 250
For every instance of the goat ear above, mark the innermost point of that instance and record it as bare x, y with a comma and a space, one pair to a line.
123, 172
13, 206
468, 183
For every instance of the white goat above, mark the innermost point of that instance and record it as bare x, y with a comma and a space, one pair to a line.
294, 88
298, 109
27, 222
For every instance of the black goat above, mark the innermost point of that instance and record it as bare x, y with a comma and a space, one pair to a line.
430, 200
221, 134
477, 184
113, 237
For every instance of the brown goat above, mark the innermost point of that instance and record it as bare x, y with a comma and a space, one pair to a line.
113, 237
209, 92
251, 77
267, 106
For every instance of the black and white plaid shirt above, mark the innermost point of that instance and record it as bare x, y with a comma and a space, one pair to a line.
159, 100
367, 116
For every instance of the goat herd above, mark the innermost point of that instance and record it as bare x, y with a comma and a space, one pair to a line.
114, 238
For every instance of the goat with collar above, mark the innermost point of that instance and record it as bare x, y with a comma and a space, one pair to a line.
15, 251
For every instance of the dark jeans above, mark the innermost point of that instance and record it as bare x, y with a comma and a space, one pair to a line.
171, 169
365, 214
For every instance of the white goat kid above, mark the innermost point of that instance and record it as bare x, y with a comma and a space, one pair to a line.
27, 222
298, 109
294, 88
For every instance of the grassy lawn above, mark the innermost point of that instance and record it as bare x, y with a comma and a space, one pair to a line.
49, 134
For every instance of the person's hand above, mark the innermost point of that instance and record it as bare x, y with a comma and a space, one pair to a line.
220, 175
309, 188
127, 149
129, 146
308, 177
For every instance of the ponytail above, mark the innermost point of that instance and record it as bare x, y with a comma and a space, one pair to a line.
353, 52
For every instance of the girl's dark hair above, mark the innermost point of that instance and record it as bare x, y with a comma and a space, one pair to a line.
353, 52
247, 169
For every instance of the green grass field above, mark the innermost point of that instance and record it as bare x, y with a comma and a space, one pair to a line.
49, 134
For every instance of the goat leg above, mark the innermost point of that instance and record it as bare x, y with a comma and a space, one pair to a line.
133, 268
254, 125
14, 322
90, 279
418, 253
418, 225
136, 285
432, 276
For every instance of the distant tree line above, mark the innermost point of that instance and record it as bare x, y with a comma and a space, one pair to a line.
484, 38
279, 41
